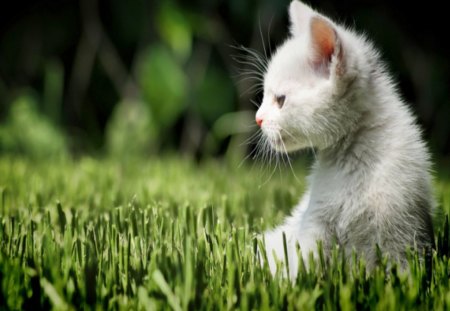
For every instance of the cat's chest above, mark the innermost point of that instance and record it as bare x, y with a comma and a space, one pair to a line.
330, 182
334, 192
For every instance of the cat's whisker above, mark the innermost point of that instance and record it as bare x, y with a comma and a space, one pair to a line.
246, 157
259, 82
307, 134
287, 154
259, 59
250, 63
268, 35
330, 126
312, 148
249, 90
249, 155
267, 156
254, 68
271, 175
258, 149
290, 135
251, 73
269, 151
251, 139
262, 149
255, 54
263, 155
250, 76
280, 153
255, 133
252, 59
254, 102
252, 88
262, 38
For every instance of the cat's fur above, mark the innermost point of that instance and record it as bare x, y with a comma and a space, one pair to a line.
326, 88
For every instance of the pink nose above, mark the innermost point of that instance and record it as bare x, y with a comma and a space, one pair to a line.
259, 121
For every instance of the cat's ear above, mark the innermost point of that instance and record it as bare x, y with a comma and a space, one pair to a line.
326, 45
300, 15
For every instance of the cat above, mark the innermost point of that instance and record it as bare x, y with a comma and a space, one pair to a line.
326, 88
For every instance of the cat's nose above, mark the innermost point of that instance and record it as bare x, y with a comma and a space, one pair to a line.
259, 121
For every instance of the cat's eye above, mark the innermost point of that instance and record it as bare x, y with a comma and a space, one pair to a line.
280, 100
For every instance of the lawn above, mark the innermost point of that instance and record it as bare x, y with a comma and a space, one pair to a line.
169, 233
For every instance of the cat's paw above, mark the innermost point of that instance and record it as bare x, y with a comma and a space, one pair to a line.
278, 255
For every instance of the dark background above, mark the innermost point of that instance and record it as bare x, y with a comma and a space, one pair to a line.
148, 76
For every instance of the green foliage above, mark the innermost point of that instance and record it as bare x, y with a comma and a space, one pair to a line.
53, 90
169, 234
27, 131
131, 130
163, 83
175, 29
215, 95
176, 57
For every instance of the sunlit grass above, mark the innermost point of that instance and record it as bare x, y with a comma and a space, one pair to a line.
172, 234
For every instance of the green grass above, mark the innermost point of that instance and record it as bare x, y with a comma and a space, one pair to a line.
171, 234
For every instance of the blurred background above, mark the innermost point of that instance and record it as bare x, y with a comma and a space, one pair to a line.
147, 77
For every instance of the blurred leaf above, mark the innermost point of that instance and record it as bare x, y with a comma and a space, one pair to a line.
131, 130
129, 21
53, 90
175, 30
207, 28
230, 124
31, 133
215, 95
55, 297
234, 123
158, 277
163, 83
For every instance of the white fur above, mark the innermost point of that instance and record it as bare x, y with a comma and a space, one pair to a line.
370, 184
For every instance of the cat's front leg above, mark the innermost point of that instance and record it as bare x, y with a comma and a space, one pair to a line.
275, 250
305, 238
297, 232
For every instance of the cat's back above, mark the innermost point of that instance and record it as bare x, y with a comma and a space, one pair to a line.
381, 185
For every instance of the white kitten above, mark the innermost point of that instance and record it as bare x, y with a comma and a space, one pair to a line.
326, 88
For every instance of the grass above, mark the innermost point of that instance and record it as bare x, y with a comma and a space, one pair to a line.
172, 234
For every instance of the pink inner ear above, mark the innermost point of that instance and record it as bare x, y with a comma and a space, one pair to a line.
323, 40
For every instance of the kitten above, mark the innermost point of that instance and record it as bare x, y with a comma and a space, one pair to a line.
326, 88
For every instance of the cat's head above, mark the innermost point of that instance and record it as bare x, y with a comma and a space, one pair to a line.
306, 85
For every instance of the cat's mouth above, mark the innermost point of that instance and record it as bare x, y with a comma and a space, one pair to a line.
281, 140
281, 143
285, 143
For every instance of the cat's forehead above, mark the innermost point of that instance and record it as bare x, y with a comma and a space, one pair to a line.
289, 64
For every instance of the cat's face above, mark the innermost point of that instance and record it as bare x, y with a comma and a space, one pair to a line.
300, 107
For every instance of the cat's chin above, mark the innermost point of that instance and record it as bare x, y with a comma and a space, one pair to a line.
286, 147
